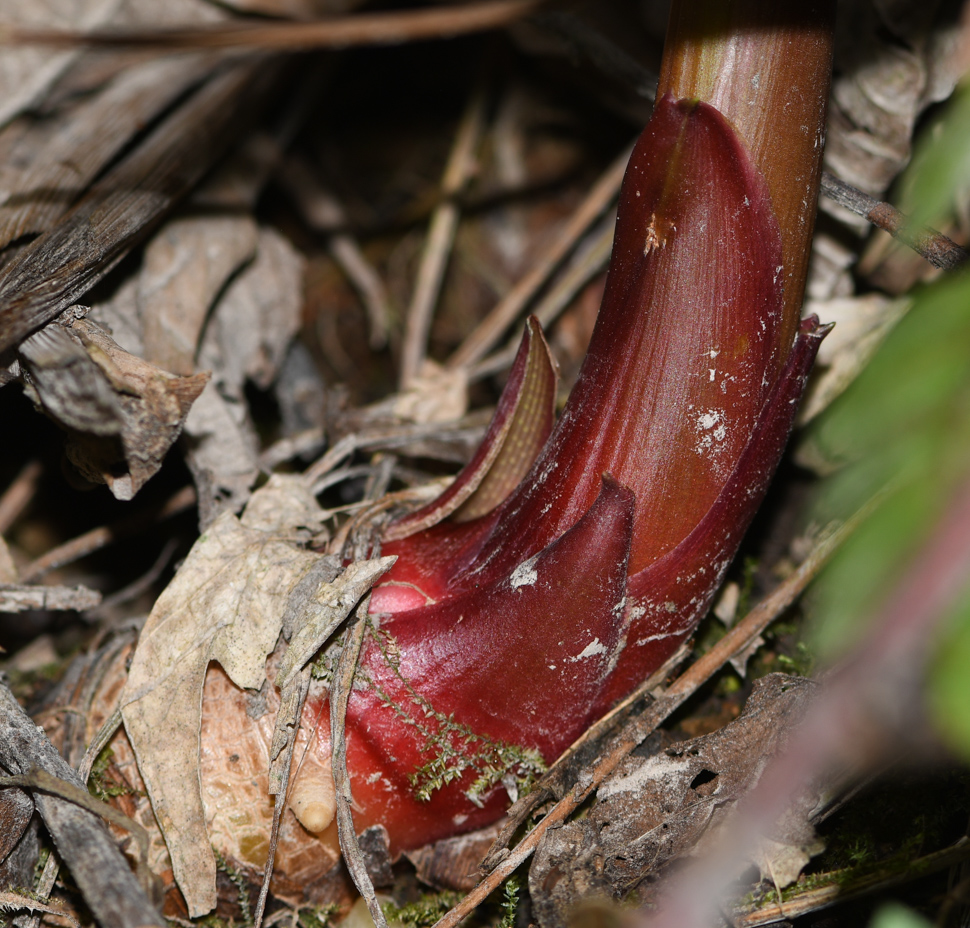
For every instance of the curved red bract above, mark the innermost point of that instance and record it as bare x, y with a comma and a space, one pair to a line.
525, 624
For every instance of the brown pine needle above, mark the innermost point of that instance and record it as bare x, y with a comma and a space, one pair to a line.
339, 32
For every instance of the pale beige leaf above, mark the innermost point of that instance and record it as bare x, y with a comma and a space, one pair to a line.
186, 266
226, 604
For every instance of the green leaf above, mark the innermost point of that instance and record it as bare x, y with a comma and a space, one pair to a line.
940, 167
894, 915
949, 685
903, 431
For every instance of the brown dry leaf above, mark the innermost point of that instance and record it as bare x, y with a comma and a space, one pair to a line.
657, 809
226, 604
48, 163
122, 413
186, 266
246, 339
16, 808
153, 404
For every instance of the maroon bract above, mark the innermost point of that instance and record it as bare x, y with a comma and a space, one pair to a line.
509, 632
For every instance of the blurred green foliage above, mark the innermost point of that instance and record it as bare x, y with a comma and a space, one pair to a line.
894, 915
940, 169
902, 435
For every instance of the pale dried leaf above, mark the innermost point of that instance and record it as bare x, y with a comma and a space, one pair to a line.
861, 323
256, 319
246, 339
888, 70
27, 73
286, 507
782, 863
436, 394
222, 452
186, 266
225, 604
67, 384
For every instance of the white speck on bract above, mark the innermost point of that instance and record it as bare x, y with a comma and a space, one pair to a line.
711, 425
525, 574
591, 650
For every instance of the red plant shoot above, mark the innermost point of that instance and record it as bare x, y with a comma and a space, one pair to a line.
501, 637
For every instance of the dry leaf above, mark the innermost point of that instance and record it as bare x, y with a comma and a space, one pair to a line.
246, 338
226, 604
186, 266
153, 407
27, 73
122, 413
861, 323
657, 809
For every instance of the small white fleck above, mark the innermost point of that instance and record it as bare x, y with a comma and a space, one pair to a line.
591, 650
525, 574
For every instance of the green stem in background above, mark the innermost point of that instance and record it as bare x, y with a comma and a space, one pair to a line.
767, 66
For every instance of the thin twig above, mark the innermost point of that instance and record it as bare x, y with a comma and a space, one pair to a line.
298, 694
18, 495
339, 32
935, 247
491, 329
736, 641
343, 680
441, 237
587, 265
134, 589
552, 782
104, 535
13, 901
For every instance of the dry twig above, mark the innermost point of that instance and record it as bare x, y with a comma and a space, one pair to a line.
488, 332
343, 680
339, 32
938, 249
441, 237
104, 535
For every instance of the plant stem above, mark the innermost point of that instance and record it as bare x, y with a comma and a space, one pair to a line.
767, 66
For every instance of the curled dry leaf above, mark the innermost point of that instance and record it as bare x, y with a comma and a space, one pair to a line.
121, 412
226, 604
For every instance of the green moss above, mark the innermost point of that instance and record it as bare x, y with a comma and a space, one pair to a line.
238, 879
424, 911
510, 901
101, 784
454, 747
320, 916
